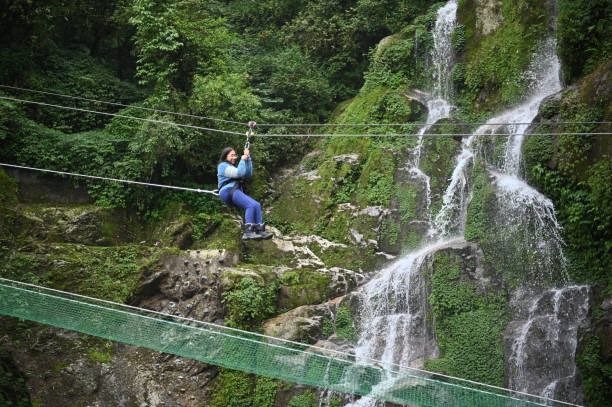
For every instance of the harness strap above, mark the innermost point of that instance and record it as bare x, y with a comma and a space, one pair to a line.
237, 185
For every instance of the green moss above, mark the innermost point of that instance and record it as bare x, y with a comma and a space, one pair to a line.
293, 217
390, 231
450, 295
232, 388
100, 356
266, 390
305, 399
596, 372
226, 236
343, 324
495, 61
469, 325
438, 161
249, 302
471, 348
407, 201
302, 287
478, 225
375, 185
337, 228
110, 273
412, 241
58, 367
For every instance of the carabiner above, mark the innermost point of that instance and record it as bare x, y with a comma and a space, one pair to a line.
249, 133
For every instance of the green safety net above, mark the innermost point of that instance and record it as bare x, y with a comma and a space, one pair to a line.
250, 352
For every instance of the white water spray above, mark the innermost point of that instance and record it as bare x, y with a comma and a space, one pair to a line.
543, 346
392, 327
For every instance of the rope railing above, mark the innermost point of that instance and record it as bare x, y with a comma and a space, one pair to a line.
250, 352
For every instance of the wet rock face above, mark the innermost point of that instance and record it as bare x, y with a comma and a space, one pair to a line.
489, 15
540, 343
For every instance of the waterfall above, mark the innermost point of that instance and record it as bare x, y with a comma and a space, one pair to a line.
438, 105
541, 340
394, 327
542, 347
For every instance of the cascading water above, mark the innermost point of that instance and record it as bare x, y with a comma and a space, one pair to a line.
542, 346
438, 105
392, 326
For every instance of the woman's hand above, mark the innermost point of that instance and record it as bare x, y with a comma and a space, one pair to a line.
246, 154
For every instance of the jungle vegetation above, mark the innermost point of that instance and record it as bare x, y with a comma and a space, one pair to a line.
290, 62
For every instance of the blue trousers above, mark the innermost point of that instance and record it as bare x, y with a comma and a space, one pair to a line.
252, 208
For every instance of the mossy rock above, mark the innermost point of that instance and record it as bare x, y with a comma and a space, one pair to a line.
438, 161
110, 273
302, 287
231, 276
226, 236
270, 252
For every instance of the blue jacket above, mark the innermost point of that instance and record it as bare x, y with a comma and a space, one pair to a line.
226, 172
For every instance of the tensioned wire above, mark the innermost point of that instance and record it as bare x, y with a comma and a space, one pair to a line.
123, 116
124, 181
260, 124
183, 336
401, 134
148, 109
214, 192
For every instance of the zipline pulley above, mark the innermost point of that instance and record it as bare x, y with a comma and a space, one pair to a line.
249, 133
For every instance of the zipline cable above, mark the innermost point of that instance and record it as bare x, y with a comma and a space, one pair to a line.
297, 135
271, 124
149, 109
190, 126
407, 124
307, 135
147, 184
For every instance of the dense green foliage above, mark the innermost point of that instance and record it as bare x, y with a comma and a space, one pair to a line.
469, 325
584, 35
217, 64
249, 302
13, 390
597, 373
305, 399
341, 325
238, 389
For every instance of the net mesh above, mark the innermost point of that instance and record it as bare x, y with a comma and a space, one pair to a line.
249, 352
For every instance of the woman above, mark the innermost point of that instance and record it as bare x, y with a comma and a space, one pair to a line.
230, 178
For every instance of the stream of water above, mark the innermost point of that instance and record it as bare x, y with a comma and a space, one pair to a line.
393, 327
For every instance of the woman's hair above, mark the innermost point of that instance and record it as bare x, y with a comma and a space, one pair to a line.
224, 153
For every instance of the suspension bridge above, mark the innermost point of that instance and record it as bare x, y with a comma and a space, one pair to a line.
251, 352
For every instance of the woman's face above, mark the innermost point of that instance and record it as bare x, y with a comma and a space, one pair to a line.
232, 157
